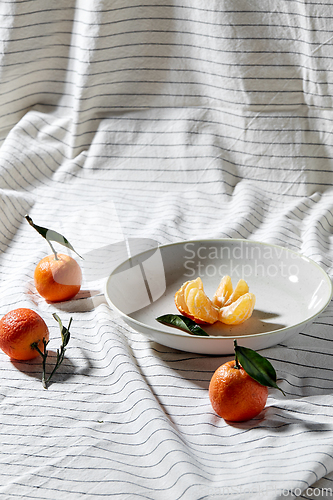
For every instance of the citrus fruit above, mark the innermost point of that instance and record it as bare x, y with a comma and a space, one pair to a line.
192, 302
234, 395
229, 306
18, 330
58, 279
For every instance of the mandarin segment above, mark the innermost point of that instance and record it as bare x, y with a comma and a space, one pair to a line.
239, 311
201, 307
192, 302
192, 285
180, 300
241, 289
223, 292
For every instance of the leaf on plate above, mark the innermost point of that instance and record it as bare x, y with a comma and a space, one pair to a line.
255, 365
182, 323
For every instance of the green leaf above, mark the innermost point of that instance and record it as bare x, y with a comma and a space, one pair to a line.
51, 235
182, 323
255, 365
65, 333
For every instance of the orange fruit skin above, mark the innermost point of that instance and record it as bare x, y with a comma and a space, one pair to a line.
234, 395
58, 280
18, 330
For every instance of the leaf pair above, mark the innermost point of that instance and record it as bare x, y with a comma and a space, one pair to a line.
65, 336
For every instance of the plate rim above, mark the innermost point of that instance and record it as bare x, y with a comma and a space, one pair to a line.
179, 333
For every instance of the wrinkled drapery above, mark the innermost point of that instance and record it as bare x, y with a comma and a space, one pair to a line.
170, 121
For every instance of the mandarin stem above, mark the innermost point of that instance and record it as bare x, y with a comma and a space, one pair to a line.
65, 336
53, 249
29, 219
237, 365
34, 345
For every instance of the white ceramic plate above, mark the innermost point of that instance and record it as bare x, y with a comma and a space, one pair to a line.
291, 291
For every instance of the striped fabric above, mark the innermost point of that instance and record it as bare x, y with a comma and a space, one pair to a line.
170, 120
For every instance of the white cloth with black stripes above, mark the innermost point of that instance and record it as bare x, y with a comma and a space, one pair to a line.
168, 120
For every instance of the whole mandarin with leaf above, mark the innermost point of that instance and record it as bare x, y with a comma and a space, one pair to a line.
19, 329
234, 395
58, 278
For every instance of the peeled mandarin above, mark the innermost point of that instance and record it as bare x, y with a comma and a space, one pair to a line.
229, 306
